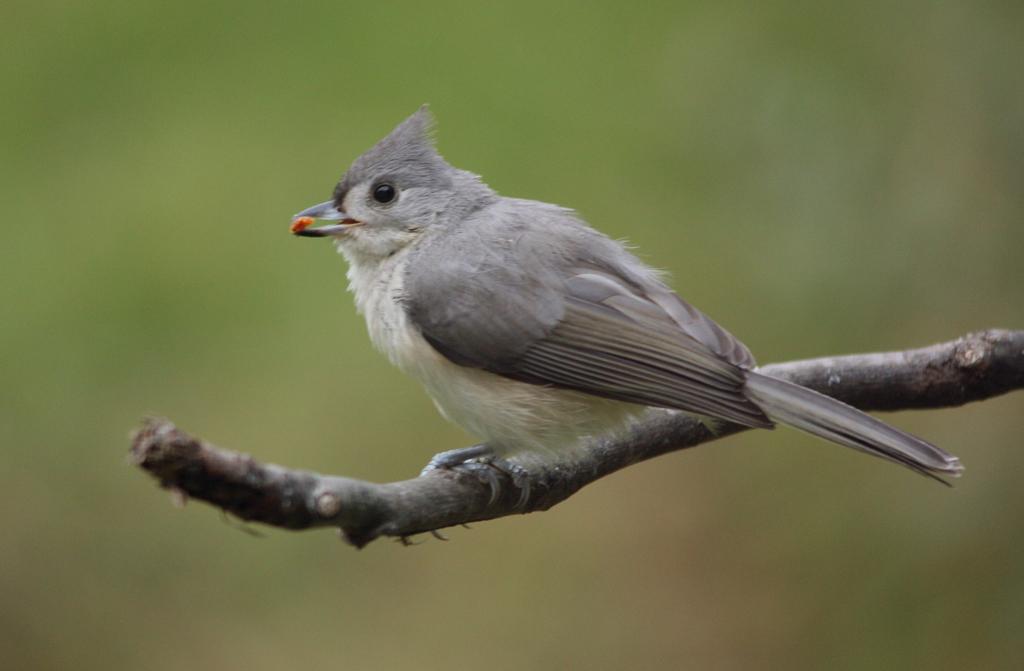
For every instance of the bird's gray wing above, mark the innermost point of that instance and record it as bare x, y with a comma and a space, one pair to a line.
616, 342
591, 319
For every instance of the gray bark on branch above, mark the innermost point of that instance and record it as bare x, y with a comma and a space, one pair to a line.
975, 367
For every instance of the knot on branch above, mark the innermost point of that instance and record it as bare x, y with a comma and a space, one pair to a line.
986, 363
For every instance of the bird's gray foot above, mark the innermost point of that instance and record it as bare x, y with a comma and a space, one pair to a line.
453, 458
480, 461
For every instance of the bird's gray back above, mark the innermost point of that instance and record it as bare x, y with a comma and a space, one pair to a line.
528, 291
484, 290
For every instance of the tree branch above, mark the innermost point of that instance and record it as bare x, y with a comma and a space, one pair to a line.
975, 367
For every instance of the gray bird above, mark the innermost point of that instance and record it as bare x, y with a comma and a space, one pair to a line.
532, 330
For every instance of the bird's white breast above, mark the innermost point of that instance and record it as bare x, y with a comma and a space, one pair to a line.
515, 417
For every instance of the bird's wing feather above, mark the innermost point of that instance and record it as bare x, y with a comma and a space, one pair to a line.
562, 305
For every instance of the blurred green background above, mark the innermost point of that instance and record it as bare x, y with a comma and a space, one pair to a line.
821, 178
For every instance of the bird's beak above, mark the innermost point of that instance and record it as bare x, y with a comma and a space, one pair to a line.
325, 211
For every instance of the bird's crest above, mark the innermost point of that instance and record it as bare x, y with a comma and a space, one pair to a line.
407, 150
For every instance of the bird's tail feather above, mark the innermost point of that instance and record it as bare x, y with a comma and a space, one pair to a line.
822, 416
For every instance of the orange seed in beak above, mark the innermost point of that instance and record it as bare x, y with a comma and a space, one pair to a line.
301, 224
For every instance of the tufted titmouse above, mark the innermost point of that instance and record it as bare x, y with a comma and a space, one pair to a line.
532, 330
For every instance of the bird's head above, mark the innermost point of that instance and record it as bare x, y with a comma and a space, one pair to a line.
394, 192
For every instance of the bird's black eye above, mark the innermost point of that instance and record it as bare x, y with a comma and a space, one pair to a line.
384, 193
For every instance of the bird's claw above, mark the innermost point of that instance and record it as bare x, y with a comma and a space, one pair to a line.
453, 458
481, 462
